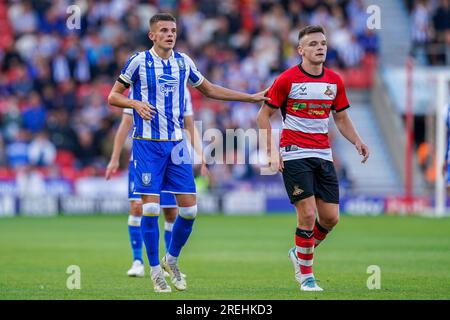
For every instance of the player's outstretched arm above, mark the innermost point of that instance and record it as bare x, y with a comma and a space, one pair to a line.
214, 91
117, 99
263, 121
119, 139
346, 128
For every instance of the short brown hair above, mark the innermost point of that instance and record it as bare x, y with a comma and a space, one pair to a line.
310, 29
162, 17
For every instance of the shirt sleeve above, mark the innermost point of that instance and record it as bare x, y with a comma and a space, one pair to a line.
195, 77
278, 92
188, 111
340, 102
130, 71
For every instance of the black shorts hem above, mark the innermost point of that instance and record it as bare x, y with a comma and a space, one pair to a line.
327, 201
303, 196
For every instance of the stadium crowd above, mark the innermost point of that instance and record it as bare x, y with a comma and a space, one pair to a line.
430, 26
54, 80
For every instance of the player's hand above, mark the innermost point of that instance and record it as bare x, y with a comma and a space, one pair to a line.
280, 163
362, 150
112, 167
144, 109
259, 96
275, 162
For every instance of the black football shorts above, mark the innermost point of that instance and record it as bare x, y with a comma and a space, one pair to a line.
308, 177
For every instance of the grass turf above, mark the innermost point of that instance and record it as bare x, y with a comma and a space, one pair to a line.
237, 257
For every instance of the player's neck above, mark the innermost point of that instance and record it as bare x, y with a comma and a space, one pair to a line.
312, 69
163, 54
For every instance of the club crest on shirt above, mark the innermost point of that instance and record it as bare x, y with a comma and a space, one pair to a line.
167, 83
181, 63
146, 179
297, 191
329, 92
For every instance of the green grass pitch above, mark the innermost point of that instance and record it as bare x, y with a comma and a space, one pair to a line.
239, 257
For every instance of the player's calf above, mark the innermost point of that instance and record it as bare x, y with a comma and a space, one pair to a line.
322, 229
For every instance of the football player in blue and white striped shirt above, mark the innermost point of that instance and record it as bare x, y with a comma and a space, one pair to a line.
167, 200
157, 79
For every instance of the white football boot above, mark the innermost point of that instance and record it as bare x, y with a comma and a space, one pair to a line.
309, 283
175, 275
137, 269
160, 283
293, 256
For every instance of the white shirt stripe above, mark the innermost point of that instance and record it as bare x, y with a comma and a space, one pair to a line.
305, 124
313, 91
302, 153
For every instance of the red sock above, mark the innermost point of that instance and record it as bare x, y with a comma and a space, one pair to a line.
304, 242
320, 233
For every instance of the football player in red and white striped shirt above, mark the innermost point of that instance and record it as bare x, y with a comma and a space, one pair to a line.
306, 94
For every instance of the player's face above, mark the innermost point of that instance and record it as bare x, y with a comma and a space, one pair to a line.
313, 48
164, 34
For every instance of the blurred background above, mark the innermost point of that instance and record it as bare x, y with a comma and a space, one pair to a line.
57, 129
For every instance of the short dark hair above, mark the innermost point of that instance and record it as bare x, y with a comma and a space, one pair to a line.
310, 29
162, 17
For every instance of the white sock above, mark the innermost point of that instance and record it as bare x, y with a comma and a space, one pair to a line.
156, 269
171, 259
168, 226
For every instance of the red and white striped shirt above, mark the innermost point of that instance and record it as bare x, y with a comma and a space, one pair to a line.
305, 102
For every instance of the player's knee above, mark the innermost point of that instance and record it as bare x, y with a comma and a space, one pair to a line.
309, 214
170, 214
151, 209
329, 222
308, 219
188, 212
136, 208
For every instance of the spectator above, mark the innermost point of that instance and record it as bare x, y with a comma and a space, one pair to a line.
17, 150
41, 152
34, 115
441, 20
86, 150
420, 30
352, 53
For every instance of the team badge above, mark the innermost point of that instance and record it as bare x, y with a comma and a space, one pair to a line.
297, 191
329, 92
146, 178
181, 63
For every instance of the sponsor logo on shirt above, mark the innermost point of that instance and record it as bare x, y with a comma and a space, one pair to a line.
167, 83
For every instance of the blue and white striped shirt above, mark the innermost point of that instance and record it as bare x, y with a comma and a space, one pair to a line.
163, 84
189, 111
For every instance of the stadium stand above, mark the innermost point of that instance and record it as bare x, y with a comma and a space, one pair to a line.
56, 79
